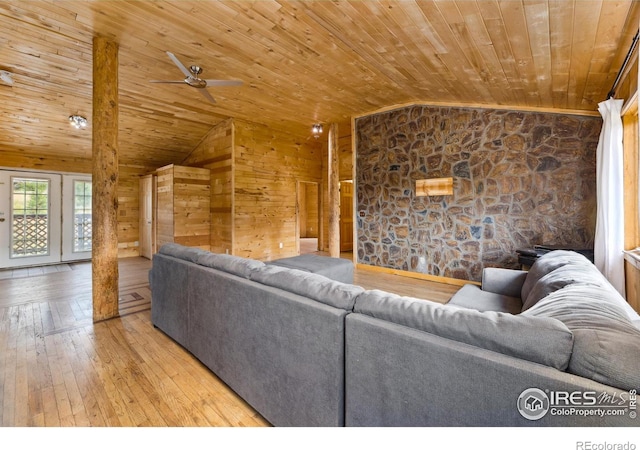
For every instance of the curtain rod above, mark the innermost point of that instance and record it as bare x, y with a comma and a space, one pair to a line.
612, 92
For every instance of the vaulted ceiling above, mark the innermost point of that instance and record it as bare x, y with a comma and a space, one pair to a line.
301, 62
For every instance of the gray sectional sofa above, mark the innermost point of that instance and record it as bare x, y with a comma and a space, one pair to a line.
306, 350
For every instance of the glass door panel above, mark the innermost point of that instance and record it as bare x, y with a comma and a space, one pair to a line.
77, 218
29, 219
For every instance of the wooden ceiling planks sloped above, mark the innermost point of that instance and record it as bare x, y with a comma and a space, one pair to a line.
301, 62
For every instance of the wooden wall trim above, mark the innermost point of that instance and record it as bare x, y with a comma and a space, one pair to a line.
631, 161
478, 106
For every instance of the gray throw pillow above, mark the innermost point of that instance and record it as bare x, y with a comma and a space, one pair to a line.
548, 263
606, 344
561, 277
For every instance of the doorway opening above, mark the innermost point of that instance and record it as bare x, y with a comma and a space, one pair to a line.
346, 216
308, 217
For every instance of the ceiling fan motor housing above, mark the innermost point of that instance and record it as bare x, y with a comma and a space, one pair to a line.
193, 80
196, 82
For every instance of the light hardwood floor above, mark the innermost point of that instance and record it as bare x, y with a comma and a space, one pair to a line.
58, 368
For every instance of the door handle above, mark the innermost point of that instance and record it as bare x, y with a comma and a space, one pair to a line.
1, 219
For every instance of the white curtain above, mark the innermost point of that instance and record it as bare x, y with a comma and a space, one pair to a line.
609, 239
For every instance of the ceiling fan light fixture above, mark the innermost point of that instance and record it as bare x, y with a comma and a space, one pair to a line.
316, 130
78, 122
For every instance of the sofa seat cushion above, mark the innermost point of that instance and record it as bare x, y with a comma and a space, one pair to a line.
545, 341
548, 263
338, 269
307, 284
471, 296
606, 343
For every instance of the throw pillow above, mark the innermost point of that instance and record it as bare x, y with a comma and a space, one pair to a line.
547, 263
606, 344
561, 277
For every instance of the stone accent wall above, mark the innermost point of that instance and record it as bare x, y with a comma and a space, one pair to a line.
520, 179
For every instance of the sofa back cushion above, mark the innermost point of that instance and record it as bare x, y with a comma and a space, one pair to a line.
548, 263
235, 265
307, 284
542, 340
190, 254
606, 343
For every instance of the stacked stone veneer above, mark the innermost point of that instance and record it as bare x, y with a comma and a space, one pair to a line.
520, 179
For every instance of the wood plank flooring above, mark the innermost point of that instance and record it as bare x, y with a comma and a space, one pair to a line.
58, 368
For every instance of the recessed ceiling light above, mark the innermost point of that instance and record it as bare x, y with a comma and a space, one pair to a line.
78, 122
316, 130
6, 77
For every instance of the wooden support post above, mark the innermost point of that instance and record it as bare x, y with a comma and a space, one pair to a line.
105, 179
334, 193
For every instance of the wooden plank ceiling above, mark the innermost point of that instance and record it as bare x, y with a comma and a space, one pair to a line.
301, 62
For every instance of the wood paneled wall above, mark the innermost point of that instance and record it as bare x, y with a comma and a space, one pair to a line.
215, 152
308, 205
632, 279
128, 188
18, 160
345, 155
129, 210
183, 206
268, 164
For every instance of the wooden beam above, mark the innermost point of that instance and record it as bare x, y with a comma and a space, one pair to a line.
105, 179
334, 192
630, 176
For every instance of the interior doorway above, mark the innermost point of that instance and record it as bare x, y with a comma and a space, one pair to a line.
346, 216
308, 207
147, 213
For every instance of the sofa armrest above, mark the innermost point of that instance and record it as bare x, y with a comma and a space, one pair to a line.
503, 281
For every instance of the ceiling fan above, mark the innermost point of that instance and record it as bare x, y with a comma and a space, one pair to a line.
193, 80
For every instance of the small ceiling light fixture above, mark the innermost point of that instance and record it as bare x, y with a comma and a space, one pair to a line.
6, 77
316, 130
78, 122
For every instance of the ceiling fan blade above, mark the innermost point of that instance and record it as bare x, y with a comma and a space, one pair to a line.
167, 81
224, 82
207, 95
181, 66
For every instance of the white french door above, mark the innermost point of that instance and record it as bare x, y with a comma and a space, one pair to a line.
44, 218
76, 217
